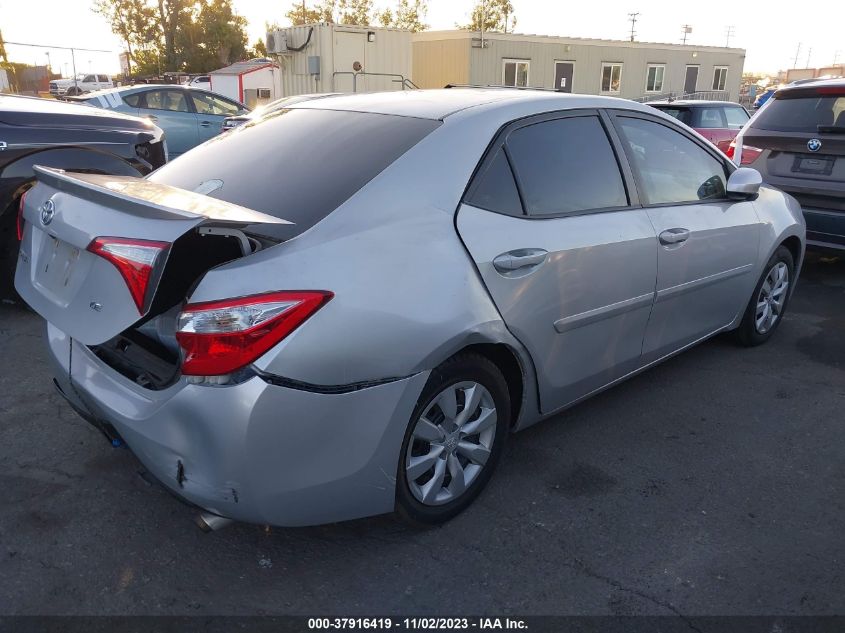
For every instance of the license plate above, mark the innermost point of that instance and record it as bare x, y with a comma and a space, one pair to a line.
817, 165
57, 264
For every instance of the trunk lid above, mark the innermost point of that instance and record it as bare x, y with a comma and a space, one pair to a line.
83, 293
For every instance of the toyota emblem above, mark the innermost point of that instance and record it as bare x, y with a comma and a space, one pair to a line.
48, 210
814, 145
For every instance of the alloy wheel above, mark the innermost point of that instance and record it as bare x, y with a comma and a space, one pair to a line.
450, 443
772, 297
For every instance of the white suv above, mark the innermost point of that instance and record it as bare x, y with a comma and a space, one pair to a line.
80, 85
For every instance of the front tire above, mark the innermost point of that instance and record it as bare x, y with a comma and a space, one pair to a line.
454, 439
768, 303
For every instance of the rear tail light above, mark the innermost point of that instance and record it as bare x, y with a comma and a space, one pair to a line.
135, 259
749, 153
220, 337
19, 225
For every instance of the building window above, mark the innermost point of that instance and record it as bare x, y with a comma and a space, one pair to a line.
654, 78
720, 77
611, 78
515, 73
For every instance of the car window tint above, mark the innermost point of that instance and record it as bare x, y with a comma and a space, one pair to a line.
802, 114
682, 114
736, 117
172, 100
495, 188
709, 118
133, 100
566, 165
209, 104
298, 164
88, 79
671, 167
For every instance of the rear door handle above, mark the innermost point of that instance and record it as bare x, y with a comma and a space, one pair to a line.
674, 236
519, 259
205, 124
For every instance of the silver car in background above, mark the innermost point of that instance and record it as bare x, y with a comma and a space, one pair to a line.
345, 310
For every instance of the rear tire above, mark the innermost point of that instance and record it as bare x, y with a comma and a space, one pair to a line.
454, 440
769, 300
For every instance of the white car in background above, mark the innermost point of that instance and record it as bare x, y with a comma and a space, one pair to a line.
82, 84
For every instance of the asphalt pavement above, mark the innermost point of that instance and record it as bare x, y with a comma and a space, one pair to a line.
712, 484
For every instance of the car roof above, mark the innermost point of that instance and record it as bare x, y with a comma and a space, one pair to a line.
439, 104
688, 103
838, 82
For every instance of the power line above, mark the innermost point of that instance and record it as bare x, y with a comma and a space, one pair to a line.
632, 17
64, 48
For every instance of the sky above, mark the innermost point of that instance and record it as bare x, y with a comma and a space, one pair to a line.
771, 31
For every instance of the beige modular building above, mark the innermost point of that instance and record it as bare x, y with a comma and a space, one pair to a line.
339, 58
633, 70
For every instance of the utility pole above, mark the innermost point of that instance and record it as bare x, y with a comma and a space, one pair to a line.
809, 52
632, 17
686, 29
797, 51
836, 57
729, 33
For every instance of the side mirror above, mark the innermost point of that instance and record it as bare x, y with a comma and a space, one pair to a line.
744, 183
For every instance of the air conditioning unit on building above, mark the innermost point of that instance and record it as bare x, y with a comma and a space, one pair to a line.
264, 93
276, 42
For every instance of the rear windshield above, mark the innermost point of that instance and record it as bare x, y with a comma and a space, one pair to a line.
802, 114
296, 164
682, 114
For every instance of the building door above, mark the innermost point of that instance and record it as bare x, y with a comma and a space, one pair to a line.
349, 47
563, 76
691, 79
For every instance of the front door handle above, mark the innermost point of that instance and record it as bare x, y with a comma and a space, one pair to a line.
673, 236
521, 258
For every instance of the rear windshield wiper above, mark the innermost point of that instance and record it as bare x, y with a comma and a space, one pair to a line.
831, 129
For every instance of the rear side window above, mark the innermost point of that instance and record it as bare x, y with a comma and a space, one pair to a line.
566, 165
133, 100
736, 118
710, 118
671, 167
682, 114
495, 189
297, 164
803, 114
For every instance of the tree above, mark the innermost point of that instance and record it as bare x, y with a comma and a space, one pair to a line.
177, 35
3, 57
220, 37
491, 15
409, 14
355, 12
300, 13
132, 21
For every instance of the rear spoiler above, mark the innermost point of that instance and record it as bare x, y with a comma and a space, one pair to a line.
149, 199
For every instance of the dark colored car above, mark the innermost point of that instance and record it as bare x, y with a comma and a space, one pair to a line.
717, 121
797, 143
71, 137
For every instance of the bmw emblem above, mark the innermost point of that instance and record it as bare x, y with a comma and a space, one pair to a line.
814, 145
48, 210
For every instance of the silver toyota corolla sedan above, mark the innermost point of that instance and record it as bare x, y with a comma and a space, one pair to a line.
345, 309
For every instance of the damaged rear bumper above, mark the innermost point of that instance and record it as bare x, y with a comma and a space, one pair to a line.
254, 452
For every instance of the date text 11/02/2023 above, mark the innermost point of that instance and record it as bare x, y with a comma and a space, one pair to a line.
416, 623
